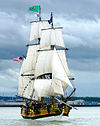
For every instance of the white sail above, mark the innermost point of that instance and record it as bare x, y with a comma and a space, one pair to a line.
64, 86
62, 56
58, 70
51, 37
47, 87
23, 84
36, 29
58, 88
26, 88
43, 64
28, 65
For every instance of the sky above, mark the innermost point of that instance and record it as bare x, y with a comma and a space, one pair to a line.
80, 20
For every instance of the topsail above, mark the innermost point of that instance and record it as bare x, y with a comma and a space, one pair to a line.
36, 28
51, 37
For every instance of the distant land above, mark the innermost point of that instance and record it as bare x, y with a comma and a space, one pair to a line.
90, 99
71, 101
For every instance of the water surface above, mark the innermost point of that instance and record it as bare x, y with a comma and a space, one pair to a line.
84, 116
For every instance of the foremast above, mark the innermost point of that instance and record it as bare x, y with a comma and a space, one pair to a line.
44, 72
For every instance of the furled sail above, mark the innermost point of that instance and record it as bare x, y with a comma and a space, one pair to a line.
51, 37
36, 27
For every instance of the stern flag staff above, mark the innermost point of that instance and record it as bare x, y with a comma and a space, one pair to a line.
36, 9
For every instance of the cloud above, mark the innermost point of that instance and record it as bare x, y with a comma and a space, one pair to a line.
86, 83
9, 72
84, 65
80, 21
13, 35
85, 32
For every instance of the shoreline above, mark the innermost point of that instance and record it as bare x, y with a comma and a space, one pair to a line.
20, 104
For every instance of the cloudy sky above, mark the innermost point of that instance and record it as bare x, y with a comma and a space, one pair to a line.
80, 20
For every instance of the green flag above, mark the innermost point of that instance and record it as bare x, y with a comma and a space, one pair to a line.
34, 8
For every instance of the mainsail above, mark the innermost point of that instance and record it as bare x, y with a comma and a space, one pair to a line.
43, 60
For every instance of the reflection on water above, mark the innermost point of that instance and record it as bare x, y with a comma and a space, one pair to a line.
82, 117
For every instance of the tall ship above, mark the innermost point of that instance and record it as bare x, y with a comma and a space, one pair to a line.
44, 75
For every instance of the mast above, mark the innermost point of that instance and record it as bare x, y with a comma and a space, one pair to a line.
44, 73
40, 14
52, 20
39, 20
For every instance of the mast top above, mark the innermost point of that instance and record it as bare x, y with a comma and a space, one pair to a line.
39, 13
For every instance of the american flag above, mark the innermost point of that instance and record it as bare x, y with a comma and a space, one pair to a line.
18, 59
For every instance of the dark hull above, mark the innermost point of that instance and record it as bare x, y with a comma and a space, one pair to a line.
44, 113
40, 116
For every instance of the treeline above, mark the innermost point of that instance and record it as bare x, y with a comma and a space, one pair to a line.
6, 98
90, 99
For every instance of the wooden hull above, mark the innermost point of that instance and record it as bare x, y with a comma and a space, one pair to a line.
44, 112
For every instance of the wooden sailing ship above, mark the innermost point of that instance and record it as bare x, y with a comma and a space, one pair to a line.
44, 72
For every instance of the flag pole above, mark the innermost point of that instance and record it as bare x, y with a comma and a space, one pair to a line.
52, 20
39, 13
